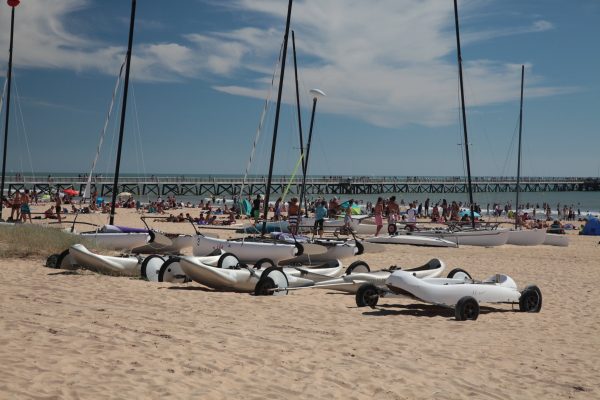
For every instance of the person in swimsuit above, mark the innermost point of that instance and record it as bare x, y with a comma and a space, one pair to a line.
378, 212
16, 207
57, 205
25, 210
293, 215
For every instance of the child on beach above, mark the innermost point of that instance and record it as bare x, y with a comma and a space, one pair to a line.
348, 218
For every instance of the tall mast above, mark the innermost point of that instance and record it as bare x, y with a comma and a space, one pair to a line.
115, 186
464, 115
298, 105
12, 4
310, 131
274, 144
519, 154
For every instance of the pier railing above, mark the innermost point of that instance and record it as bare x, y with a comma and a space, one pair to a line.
346, 185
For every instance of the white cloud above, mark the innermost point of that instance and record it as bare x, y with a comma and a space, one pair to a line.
388, 62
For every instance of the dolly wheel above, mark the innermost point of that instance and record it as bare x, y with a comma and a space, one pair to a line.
467, 308
531, 299
367, 295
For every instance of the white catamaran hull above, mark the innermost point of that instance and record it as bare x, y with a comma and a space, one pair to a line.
117, 241
245, 279
414, 240
352, 282
526, 237
500, 288
246, 251
554, 239
486, 238
81, 256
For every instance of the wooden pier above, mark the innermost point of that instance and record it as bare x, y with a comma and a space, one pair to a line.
182, 186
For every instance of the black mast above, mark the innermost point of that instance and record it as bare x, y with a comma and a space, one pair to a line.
464, 115
12, 4
310, 131
274, 144
123, 110
519, 154
298, 106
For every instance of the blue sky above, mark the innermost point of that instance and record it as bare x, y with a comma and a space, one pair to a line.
201, 73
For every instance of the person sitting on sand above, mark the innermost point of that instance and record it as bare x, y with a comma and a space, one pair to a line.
556, 227
49, 213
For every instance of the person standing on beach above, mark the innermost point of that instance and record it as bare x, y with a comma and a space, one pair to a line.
277, 210
378, 212
57, 206
427, 207
320, 214
16, 207
256, 208
25, 210
393, 213
293, 214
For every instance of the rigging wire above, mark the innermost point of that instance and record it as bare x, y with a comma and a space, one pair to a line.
102, 134
25, 135
262, 117
139, 137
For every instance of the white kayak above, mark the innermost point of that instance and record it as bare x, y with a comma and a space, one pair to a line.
463, 294
247, 251
81, 256
555, 239
414, 240
478, 237
526, 237
359, 273
241, 278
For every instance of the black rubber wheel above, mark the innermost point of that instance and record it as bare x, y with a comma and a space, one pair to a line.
358, 266
361, 248
172, 273
52, 261
392, 229
63, 257
264, 287
367, 295
264, 263
145, 264
459, 273
271, 278
531, 299
300, 249
467, 308
228, 261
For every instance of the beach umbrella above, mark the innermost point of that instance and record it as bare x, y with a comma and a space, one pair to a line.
71, 192
125, 194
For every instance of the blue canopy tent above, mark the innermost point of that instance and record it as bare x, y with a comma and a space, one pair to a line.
592, 227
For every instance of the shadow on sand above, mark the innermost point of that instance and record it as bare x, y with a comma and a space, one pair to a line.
422, 310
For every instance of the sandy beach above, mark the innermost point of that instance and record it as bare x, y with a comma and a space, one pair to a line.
78, 334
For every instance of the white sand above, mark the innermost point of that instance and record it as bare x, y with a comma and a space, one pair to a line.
81, 335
